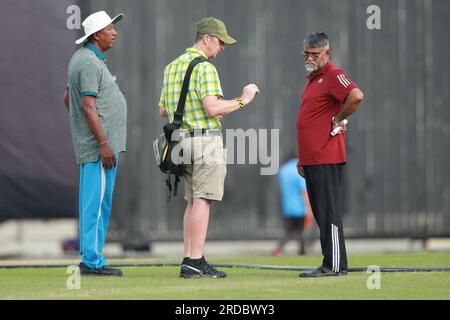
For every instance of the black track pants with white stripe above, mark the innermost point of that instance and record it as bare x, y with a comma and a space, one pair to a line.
324, 185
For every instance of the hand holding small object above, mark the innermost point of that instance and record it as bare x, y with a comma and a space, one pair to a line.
339, 128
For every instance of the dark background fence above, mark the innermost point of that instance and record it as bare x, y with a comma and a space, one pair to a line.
398, 141
38, 175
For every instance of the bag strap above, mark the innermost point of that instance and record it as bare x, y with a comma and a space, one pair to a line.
169, 185
178, 116
175, 186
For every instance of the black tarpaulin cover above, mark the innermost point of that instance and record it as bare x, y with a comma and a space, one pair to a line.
38, 174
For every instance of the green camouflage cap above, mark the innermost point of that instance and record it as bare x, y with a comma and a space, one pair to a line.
214, 27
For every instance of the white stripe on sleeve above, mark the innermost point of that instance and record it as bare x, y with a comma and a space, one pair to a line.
343, 81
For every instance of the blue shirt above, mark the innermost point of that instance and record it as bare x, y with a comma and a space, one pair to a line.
292, 186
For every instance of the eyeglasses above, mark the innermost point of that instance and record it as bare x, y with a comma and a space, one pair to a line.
314, 55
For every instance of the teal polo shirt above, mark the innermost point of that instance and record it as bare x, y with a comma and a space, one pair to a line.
89, 76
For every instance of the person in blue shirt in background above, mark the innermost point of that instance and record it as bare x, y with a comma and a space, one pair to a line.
295, 206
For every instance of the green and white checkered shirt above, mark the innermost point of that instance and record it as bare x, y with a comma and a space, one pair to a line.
204, 82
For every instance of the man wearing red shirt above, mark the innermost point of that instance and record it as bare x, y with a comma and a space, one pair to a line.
327, 100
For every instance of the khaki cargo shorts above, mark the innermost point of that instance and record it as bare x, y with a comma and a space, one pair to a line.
204, 177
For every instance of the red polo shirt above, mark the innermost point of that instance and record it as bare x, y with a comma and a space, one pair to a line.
322, 99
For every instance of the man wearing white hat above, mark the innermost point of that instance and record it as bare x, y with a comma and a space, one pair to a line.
98, 113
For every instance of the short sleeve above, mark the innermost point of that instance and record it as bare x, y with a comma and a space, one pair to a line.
90, 77
209, 81
341, 85
162, 99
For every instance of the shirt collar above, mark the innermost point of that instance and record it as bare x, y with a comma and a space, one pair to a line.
321, 71
192, 49
96, 50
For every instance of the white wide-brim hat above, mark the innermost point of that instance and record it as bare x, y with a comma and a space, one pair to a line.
96, 22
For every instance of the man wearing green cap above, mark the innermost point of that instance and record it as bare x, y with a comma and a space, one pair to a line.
201, 137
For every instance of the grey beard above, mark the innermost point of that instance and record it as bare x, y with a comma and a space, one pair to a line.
311, 68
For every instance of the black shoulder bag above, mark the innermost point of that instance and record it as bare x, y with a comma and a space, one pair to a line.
163, 146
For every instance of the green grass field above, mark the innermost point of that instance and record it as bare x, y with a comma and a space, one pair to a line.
241, 284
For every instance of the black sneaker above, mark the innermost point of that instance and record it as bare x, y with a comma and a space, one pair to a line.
183, 270
104, 271
322, 272
199, 268
210, 272
189, 272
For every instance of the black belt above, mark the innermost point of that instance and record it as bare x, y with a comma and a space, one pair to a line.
202, 132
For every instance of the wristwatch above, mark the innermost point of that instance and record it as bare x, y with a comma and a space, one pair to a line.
241, 103
336, 122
